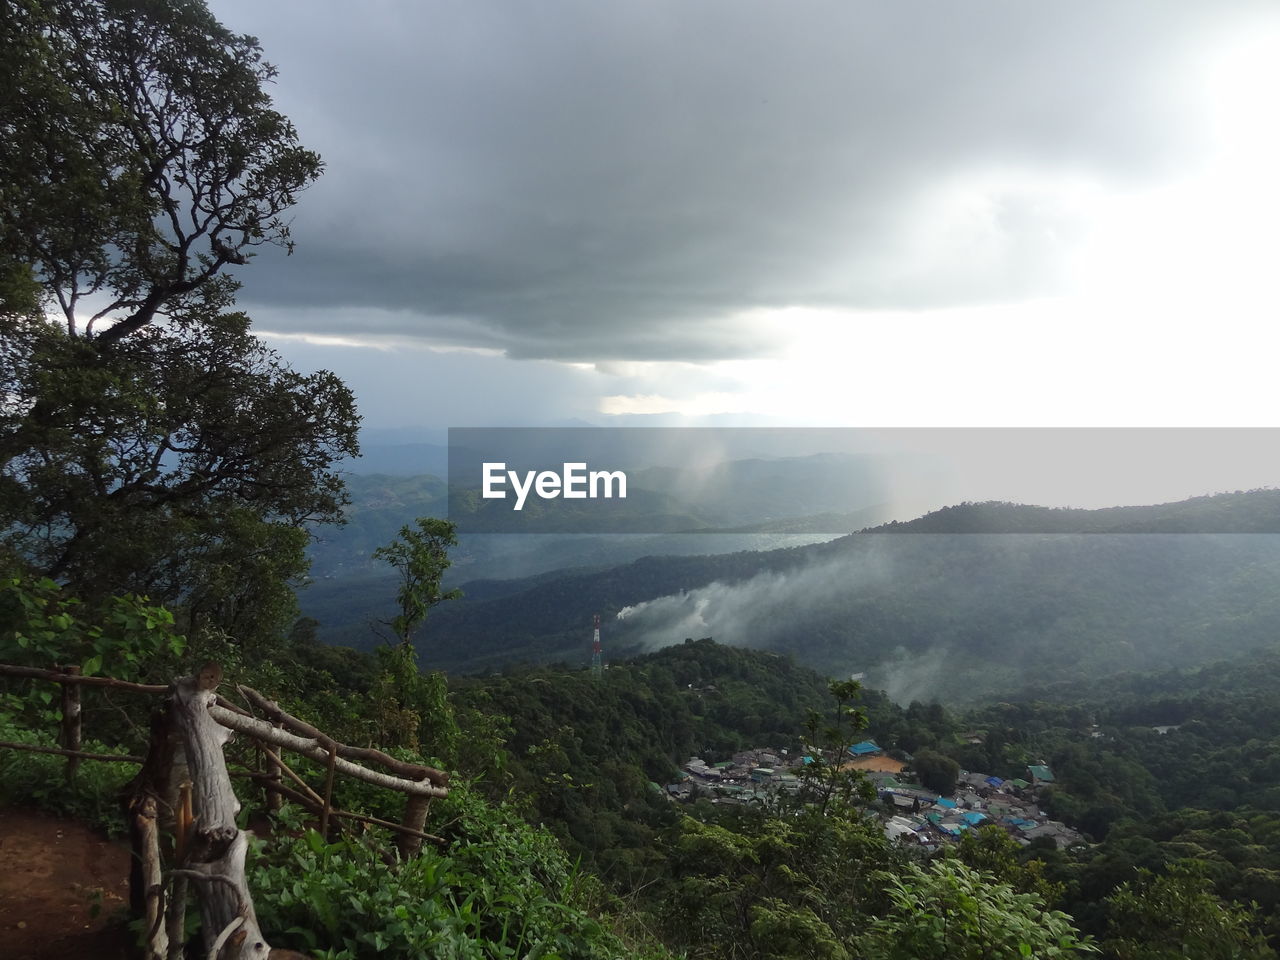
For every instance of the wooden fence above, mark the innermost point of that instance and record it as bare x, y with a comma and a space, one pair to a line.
183, 790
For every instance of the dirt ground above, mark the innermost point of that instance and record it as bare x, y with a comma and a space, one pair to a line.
875, 764
50, 872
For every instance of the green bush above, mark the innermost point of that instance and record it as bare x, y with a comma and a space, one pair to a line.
501, 889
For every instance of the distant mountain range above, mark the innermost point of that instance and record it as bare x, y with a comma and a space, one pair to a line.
1254, 511
382, 504
1039, 595
406, 459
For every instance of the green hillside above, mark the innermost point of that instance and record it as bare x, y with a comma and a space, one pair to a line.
948, 614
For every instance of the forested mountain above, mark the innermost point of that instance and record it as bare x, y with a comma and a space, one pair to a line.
1196, 806
380, 505
383, 453
1168, 768
1253, 511
949, 614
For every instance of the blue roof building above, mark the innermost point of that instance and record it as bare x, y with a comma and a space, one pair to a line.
865, 748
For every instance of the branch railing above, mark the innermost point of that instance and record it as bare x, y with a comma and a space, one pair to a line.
184, 784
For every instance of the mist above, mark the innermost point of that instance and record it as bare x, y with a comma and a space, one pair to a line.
954, 617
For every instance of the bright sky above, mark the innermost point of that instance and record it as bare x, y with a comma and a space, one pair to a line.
872, 215
1168, 317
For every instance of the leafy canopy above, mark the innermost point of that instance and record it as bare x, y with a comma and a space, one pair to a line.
1178, 915
139, 156
148, 442
182, 465
949, 911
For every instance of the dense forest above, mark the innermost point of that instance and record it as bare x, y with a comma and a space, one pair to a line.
1186, 817
163, 470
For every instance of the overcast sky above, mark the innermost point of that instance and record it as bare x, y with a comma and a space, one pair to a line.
844, 213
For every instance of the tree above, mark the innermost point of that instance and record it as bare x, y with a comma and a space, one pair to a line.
827, 780
937, 772
773, 888
139, 157
148, 442
993, 852
951, 912
412, 708
421, 557
1178, 915
182, 466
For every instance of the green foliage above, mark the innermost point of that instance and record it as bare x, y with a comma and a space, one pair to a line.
763, 887
153, 447
829, 783
39, 780
1136, 791
582, 753
502, 889
182, 464
936, 771
951, 912
420, 557
140, 156
1178, 915
40, 625
411, 708
780, 929
992, 852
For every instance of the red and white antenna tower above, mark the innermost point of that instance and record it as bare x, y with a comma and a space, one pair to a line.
597, 669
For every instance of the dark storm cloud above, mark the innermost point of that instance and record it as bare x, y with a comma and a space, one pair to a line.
588, 180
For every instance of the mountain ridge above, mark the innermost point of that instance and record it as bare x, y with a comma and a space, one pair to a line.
946, 613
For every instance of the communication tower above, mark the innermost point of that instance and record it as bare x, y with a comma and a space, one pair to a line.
597, 669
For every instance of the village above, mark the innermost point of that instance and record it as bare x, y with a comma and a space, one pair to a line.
909, 813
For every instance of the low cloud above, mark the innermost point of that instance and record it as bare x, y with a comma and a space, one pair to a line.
765, 611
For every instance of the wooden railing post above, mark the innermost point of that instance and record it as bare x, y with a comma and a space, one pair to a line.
148, 832
71, 727
146, 873
328, 789
271, 767
415, 818
214, 848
